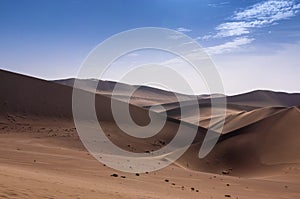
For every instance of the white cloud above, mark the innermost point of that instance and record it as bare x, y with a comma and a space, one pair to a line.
271, 10
229, 46
259, 15
205, 37
133, 54
176, 36
229, 29
183, 29
216, 5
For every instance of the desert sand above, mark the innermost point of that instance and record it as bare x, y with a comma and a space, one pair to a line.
41, 155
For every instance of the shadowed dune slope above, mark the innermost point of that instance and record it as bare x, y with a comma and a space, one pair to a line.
19, 93
267, 146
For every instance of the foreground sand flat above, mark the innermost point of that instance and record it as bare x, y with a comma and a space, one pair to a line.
36, 165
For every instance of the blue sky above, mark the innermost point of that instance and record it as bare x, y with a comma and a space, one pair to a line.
254, 44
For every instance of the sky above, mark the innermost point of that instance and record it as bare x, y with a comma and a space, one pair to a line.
254, 44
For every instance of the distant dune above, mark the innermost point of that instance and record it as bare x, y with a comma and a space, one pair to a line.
257, 155
143, 96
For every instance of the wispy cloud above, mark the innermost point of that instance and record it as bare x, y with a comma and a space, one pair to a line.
259, 15
242, 22
269, 11
229, 46
183, 29
216, 5
133, 54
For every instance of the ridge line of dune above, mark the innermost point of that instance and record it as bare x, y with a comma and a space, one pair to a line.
234, 132
249, 112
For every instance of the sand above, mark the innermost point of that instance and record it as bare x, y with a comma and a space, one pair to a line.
41, 155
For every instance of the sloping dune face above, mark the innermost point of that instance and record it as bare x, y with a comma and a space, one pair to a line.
266, 146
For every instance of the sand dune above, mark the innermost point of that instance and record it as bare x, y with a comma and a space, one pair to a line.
143, 96
41, 101
265, 98
267, 146
257, 98
41, 155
